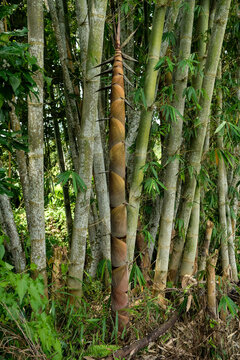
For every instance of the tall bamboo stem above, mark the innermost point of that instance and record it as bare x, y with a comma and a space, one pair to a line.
195, 154
97, 15
173, 151
145, 125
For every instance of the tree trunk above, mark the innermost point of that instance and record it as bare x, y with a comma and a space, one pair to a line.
83, 31
173, 151
86, 148
35, 141
145, 125
195, 153
71, 106
9, 228
95, 234
102, 194
22, 163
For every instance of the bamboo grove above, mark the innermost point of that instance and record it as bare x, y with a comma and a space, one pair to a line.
119, 167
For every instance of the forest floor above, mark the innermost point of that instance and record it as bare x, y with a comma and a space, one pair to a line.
195, 335
196, 340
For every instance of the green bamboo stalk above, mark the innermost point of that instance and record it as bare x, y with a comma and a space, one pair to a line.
145, 125
195, 153
202, 27
222, 184
190, 248
86, 147
173, 150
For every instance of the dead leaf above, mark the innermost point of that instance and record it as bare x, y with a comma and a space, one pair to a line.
189, 301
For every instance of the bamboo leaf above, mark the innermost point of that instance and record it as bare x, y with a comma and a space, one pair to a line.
63, 177
219, 128
231, 306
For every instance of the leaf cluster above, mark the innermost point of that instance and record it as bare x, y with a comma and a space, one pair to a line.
23, 306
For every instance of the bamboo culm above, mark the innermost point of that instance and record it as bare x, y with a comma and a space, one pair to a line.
195, 153
173, 149
144, 126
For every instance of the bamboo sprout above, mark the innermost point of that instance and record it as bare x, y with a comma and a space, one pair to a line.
117, 190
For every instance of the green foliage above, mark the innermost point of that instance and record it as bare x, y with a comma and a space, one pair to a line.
170, 112
147, 235
191, 95
11, 140
23, 308
6, 10
16, 69
5, 183
103, 266
136, 276
100, 351
151, 183
227, 303
170, 37
190, 62
165, 62
77, 181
